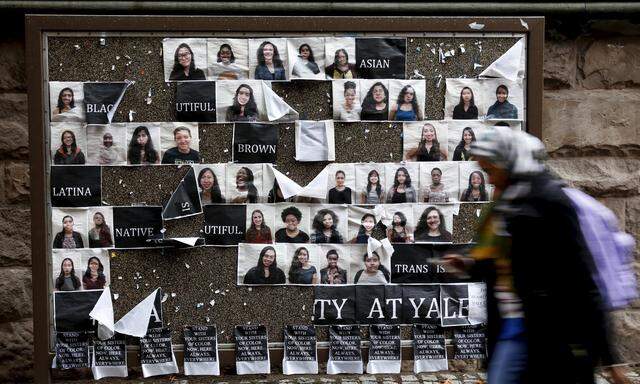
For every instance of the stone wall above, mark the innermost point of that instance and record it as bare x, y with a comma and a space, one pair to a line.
591, 129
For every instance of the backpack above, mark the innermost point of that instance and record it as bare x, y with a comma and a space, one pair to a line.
610, 248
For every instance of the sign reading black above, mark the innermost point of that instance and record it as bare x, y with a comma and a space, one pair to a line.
224, 224
428, 342
185, 200
409, 264
251, 343
300, 343
378, 58
72, 350
200, 344
100, 99
454, 304
155, 347
73, 186
196, 101
334, 305
384, 342
133, 226
111, 352
344, 343
469, 342
255, 143
71, 310
420, 304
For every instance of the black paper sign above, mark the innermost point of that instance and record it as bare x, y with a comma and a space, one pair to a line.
111, 352
73, 186
428, 342
100, 99
420, 304
378, 58
72, 310
196, 101
200, 345
155, 347
133, 226
251, 343
300, 343
185, 200
393, 304
155, 320
72, 350
334, 305
384, 342
454, 304
344, 343
370, 304
255, 143
409, 265
224, 224
469, 342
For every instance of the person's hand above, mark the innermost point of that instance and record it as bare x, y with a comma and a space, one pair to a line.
454, 261
618, 374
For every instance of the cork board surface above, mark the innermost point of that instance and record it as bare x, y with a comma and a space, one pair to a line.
135, 273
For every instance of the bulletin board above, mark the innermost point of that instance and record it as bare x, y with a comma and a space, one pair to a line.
85, 49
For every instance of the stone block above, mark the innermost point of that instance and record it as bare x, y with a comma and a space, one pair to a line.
15, 294
16, 182
560, 64
15, 237
626, 334
600, 176
14, 106
611, 63
603, 120
14, 140
16, 351
13, 75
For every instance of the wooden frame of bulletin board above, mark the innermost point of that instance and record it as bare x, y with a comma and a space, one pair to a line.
40, 27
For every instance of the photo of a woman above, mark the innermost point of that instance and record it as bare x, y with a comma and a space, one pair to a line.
258, 231
182, 153
67, 279
406, 107
436, 192
270, 65
461, 151
66, 102
340, 194
373, 192
325, 224
341, 68
399, 231
244, 107
402, 191
428, 148
245, 188
100, 235
373, 273
301, 271
68, 152
350, 109
141, 148
110, 152
184, 65
466, 108
367, 224
375, 105
93, 277
502, 108
305, 67
476, 190
291, 233
266, 271
225, 68
209, 187
68, 238
332, 273
431, 227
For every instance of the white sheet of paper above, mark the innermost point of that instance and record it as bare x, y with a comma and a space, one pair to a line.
136, 321
102, 312
276, 107
317, 188
288, 187
510, 65
112, 112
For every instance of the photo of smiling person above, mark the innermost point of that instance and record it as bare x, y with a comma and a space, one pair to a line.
292, 232
429, 147
439, 182
239, 101
325, 227
228, 59
399, 230
336, 271
375, 103
184, 58
346, 100
66, 101
409, 100
68, 152
268, 59
301, 265
401, 189
93, 277
244, 107
244, 183
365, 231
142, 149
266, 270
258, 229
370, 184
466, 107
431, 227
340, 55
211, 183
502, 108
185, 140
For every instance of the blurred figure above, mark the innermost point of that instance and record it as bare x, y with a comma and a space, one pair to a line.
546, 320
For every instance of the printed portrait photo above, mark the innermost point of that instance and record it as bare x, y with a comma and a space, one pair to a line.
69, 228
292, 223
374, 100
374, 269
402, 183
144, 143
68, 144
306, 58
179, 143
328, 224
474, 183
67, 270
490, 99
370, 183
211, 183
363, 224
399, 221
184, 59
341, 183
66, 101
433, 223
407, 100
340, 56
268, 59
228, 59
261, 264
260, 223
240, 100
439, 182
346, 100
302, 264
244, 183
334, 263
461, 134
106, 144
425, 141
100, 227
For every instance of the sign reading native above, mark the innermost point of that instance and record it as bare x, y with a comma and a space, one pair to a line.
135, 226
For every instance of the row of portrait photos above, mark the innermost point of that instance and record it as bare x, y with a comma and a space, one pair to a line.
255, 101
